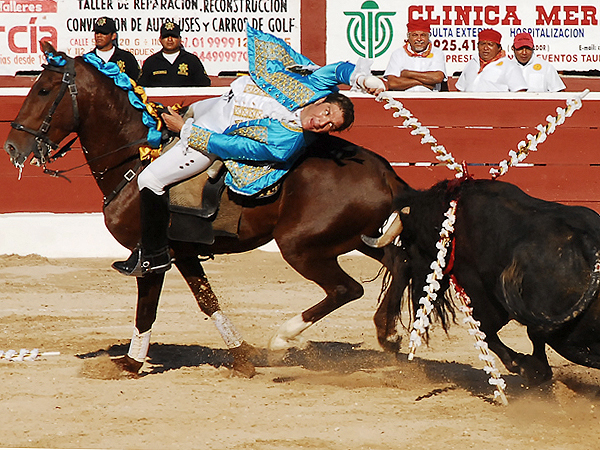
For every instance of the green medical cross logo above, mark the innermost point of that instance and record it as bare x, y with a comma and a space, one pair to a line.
369, 32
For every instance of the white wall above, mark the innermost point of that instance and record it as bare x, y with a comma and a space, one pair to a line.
62, 236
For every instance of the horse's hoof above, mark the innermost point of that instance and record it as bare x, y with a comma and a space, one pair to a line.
127, 364
242, 357
278, 343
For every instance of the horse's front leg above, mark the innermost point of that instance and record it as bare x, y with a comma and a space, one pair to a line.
149, 288
242, 352
337, 284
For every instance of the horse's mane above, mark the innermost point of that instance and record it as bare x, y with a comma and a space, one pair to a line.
334, 148
135, 94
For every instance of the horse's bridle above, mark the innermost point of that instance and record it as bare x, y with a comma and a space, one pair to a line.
44, 144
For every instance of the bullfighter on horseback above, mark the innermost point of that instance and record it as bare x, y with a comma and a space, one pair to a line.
262, 121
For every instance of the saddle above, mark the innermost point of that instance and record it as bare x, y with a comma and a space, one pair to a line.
201, 208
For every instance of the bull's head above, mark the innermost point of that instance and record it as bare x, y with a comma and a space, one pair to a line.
391, 229
45, 119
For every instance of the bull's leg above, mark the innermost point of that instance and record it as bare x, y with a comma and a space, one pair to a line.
385, 319
533, 368
388, 313
492, 318
194, 274
149, 288
578, 340
339, 287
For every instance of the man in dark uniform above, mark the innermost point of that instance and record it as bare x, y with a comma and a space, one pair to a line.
173, 66
105, 38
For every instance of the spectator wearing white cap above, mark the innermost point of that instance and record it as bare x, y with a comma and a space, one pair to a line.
540, 75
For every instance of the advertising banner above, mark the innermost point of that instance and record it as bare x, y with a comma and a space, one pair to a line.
214, 30
566, 35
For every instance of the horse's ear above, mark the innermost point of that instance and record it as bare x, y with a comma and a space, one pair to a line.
47, 47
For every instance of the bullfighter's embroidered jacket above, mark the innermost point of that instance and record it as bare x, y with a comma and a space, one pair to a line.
265, 139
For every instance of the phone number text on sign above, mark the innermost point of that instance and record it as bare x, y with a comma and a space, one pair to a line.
218, 49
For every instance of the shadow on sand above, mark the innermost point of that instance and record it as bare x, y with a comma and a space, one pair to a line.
340, 358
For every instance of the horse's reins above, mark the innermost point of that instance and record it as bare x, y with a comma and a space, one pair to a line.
59, 173
44, 144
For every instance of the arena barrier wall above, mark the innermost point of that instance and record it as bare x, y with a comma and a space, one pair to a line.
479, 129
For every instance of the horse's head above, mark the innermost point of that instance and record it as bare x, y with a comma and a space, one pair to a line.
49, 112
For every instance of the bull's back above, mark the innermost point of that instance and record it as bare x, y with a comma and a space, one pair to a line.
541, 254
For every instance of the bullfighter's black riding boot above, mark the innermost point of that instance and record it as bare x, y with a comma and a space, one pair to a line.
153, 256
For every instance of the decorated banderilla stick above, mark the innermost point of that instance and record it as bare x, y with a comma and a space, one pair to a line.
485, 355
410, 121
24, 354
524, 147
421, 323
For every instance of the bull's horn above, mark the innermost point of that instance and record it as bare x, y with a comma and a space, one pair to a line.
391, 229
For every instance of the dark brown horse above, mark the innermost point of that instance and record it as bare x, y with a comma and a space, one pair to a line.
337, 193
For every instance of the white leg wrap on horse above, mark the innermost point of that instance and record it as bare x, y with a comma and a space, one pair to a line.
287, 335
230, 335
138, 349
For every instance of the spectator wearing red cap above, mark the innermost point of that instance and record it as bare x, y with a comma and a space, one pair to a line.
541, 76
491, 71
417, 66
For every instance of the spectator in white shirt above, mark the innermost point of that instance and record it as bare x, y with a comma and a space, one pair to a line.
541, 76
491, 71
417, 66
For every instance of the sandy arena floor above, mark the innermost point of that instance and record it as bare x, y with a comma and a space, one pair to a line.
341, 393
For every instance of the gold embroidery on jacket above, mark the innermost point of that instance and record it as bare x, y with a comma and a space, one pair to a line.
251, 88
290, 87
244, 174
256, 133
246, 113
198, 139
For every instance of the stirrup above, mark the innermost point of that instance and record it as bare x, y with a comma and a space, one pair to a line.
158, 262
139, 265
132, 266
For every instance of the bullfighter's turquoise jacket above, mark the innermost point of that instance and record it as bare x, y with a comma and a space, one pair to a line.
259, 152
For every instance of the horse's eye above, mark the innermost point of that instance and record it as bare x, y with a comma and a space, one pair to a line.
43, 91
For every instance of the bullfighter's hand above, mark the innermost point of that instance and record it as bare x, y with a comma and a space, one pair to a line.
372, 84
173, 120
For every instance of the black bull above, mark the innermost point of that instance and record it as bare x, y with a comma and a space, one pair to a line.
517, 257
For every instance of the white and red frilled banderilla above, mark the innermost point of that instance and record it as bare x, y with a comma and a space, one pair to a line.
421, 322
441, 154
25, 355
524, 147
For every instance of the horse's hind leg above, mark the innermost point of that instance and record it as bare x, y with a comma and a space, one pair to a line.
149, 288
194, 275
337, 284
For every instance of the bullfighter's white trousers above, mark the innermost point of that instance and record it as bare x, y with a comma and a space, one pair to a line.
182, 162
